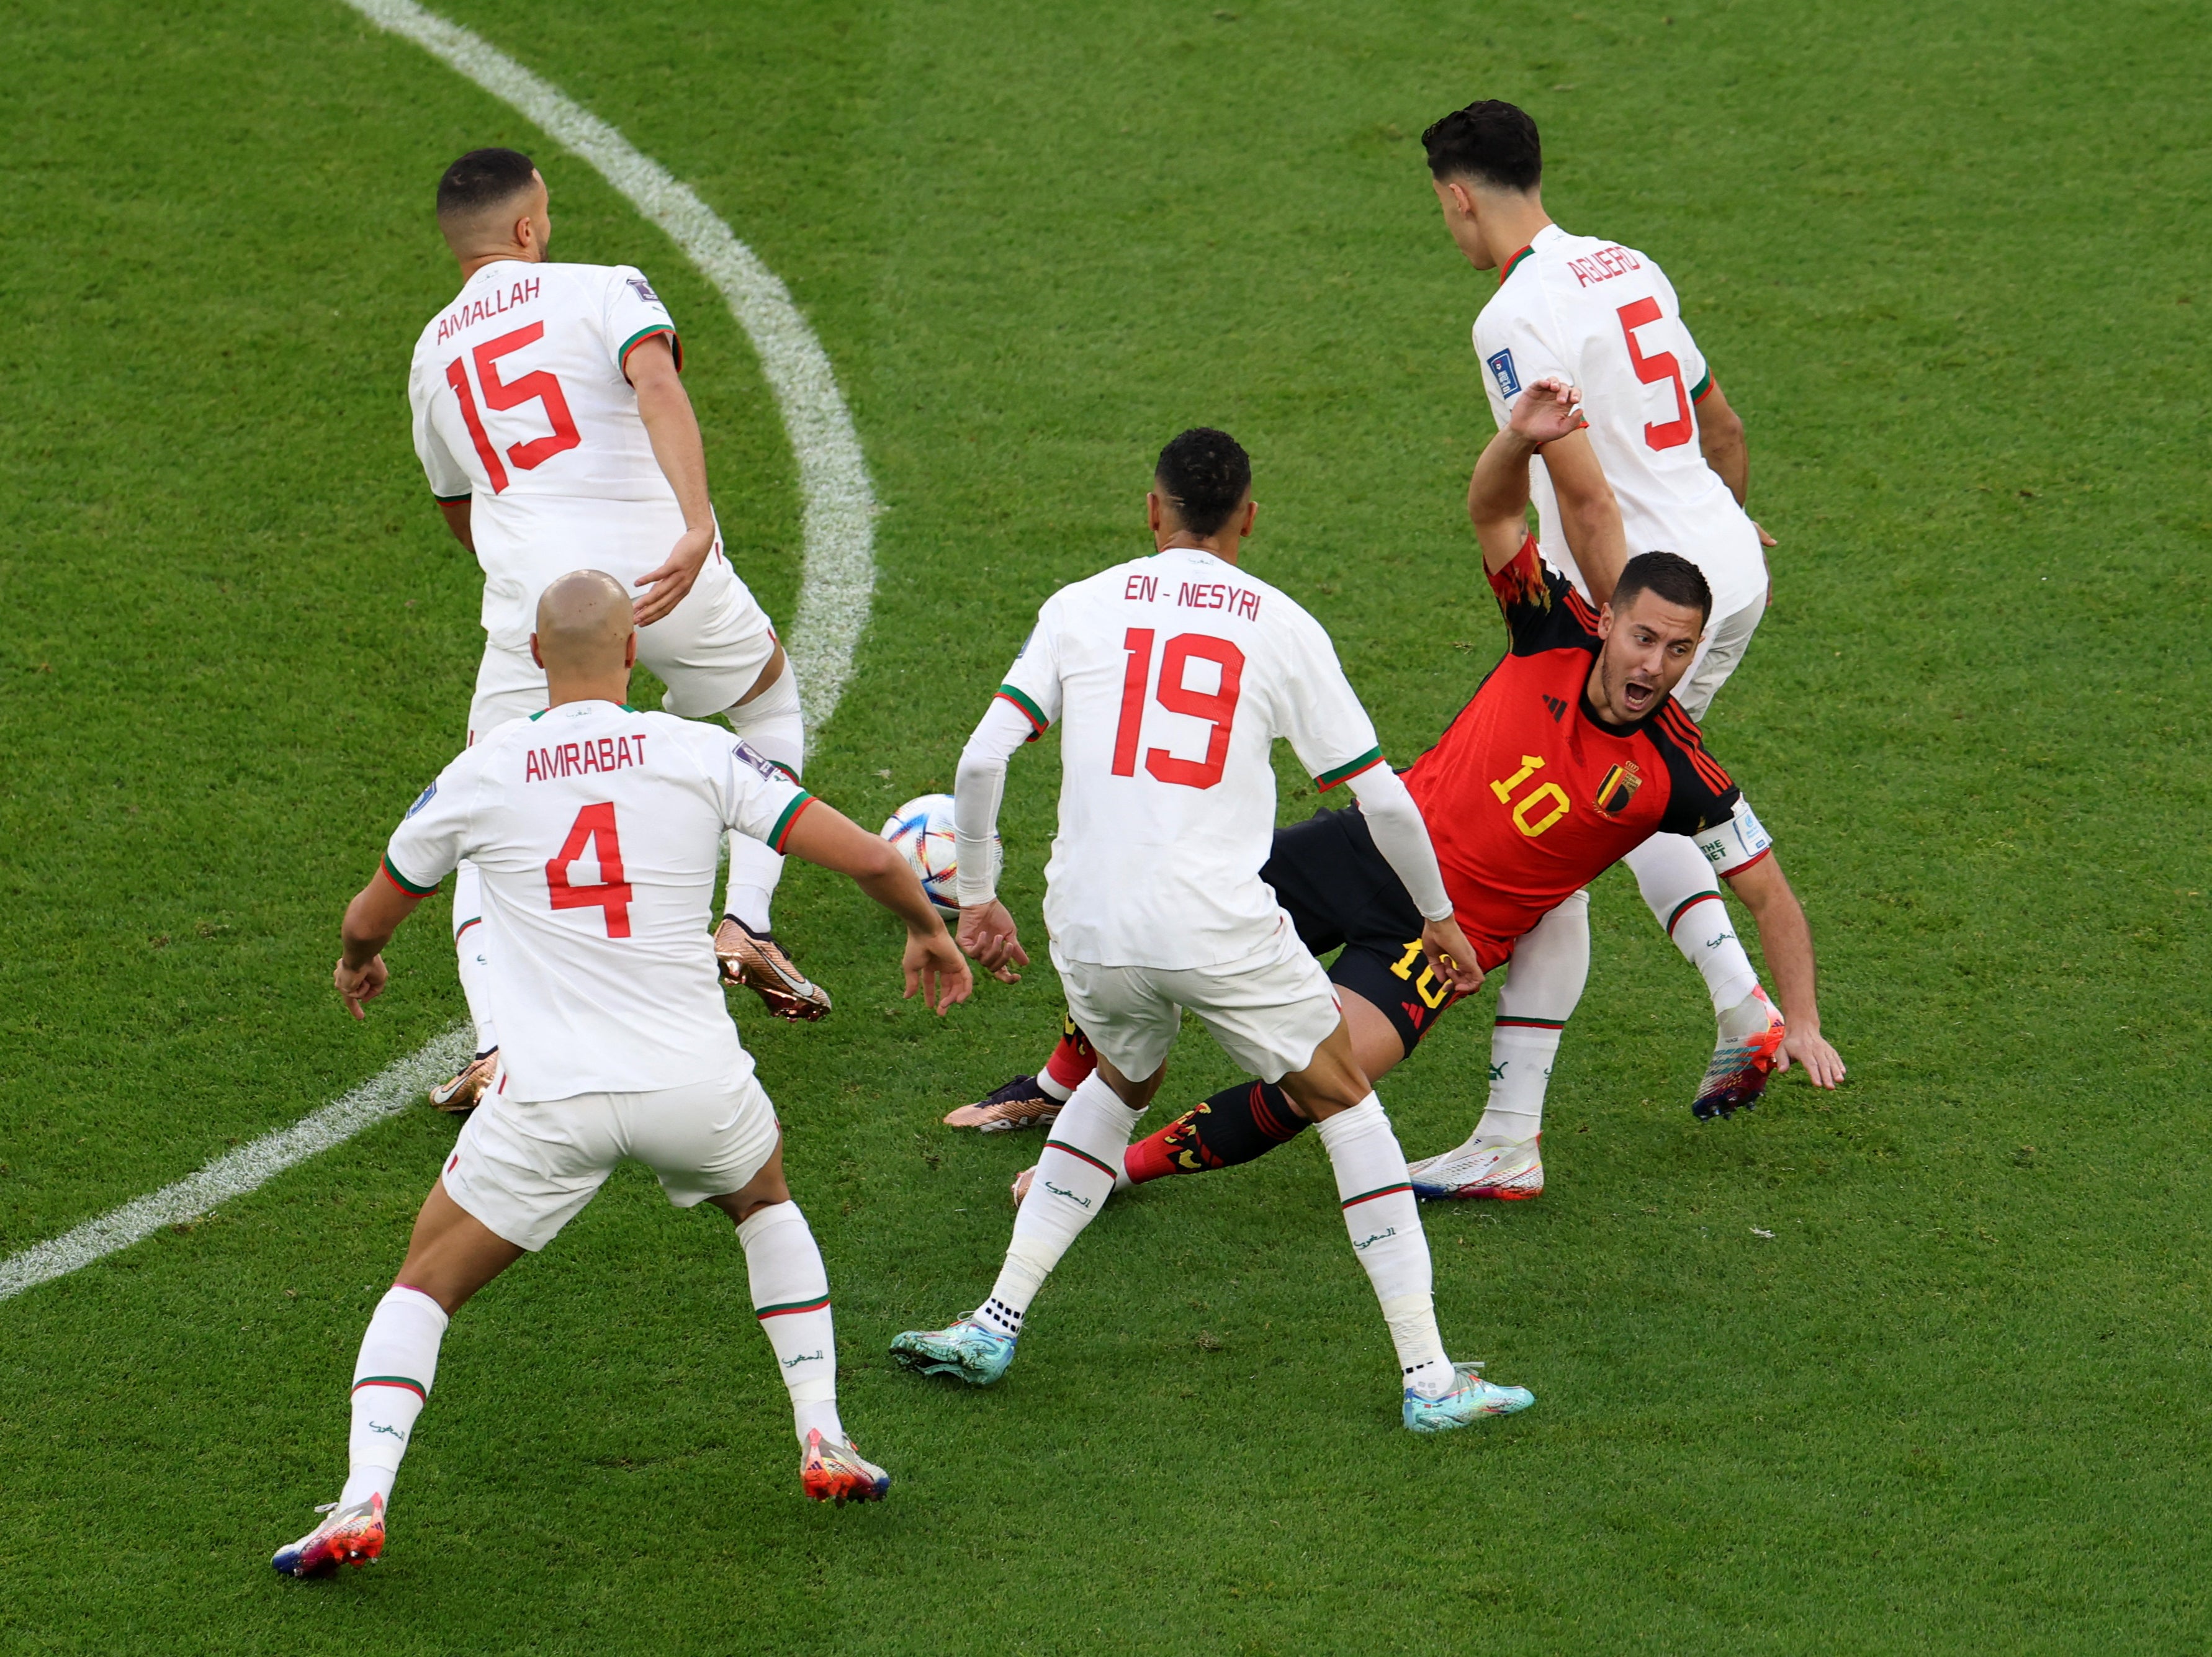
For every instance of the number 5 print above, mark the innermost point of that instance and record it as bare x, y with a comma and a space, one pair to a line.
1652, 370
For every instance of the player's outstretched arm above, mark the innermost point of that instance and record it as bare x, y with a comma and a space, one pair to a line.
1401, 834
665, 409
370, 920
1590, 517
987, 933
1787, 939
1721, 440
1498, 493
932, 966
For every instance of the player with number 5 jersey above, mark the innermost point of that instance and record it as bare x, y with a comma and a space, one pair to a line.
1170, 678
554, 429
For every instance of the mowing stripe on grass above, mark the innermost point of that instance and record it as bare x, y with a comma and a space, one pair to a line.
840, 577
835, 592
392, 1090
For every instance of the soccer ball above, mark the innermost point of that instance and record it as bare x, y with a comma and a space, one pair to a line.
922, 831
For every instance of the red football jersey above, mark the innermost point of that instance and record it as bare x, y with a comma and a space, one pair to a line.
1529, 795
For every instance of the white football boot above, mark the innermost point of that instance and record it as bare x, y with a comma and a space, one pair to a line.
1508, 1169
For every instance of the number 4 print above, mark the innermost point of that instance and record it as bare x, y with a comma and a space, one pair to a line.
1654, 370
595, 826
537, 386
1219, 707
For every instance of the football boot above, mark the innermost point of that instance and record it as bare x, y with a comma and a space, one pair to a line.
1509, 1169
975, 1355
1750, 1043
1468, 1402
462, 1093
350, 1535
758, 962
1021, 1103
829, 1472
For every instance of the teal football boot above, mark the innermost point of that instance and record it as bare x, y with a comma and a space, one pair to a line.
1465, 1404
976, 1355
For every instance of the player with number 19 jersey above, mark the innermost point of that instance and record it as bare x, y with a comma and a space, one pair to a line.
1172, 676
1604, 319
595, 829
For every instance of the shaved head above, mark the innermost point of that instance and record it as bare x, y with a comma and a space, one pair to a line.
585, 621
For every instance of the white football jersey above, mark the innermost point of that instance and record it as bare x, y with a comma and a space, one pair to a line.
520, 400
1605, 317
597, 829
1170, 677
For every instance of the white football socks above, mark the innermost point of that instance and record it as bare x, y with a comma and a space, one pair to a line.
1543, 983
1678, 884
390, 1383
772, 726
1074, 1178
469, 948
791, 1298
1385, 1223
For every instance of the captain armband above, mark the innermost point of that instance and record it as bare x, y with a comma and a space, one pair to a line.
1735, 845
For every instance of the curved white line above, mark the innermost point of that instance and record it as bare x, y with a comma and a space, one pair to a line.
838, 582
840, 574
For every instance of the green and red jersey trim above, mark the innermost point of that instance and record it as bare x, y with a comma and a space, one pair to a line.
781, 832
1030, 710
402, 881
1379, 1191
401, 1382
675, 346
1697, 393
789, 1308
1514, 263
1349, 769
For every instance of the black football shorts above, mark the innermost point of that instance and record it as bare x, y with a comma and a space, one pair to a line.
1337, 890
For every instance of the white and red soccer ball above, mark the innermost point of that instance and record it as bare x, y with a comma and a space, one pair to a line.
922, 831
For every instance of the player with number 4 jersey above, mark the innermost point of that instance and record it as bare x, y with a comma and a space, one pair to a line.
553, 427
1170, 678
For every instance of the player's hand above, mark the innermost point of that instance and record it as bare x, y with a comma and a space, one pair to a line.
1764, 539
1824, 1065
667, 586
1451, 957
360, 985
934, 968
988, 938
1548, 411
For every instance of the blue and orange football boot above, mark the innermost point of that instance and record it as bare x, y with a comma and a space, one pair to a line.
350, 1535
1750, 1042
829, 1472
976, 1355
1468, 1402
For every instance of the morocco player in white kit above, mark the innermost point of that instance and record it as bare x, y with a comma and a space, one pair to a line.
1170, 678
596, 829
1604, 319
556, 434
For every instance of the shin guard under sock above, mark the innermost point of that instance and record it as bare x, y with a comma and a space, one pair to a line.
1236, 1124
1074, 1177
1385, 1224
391, 1382
1684, 897
773, 726
791, 1298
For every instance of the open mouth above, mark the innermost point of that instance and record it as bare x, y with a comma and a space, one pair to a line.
1638, 698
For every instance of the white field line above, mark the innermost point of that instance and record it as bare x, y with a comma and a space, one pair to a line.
840, 573
392, 1090
836, 589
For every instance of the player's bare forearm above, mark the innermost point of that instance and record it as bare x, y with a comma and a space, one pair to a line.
1786, 940
1590, 516
674, 428
1721, 438
1498, 493
932, 966
456, 514
370, 920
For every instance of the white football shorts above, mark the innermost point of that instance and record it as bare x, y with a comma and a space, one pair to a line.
525, 1170
1720, 655
709, 653
1268, 1011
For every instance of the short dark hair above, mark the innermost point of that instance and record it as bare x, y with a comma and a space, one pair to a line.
1205, 473
1490, 141
1670, 575
482, 178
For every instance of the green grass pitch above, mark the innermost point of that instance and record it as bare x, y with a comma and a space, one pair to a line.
1948, 260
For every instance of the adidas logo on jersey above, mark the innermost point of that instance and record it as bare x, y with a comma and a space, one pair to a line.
1559, 708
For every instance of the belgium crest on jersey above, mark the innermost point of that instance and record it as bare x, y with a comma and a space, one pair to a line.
1618, 787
